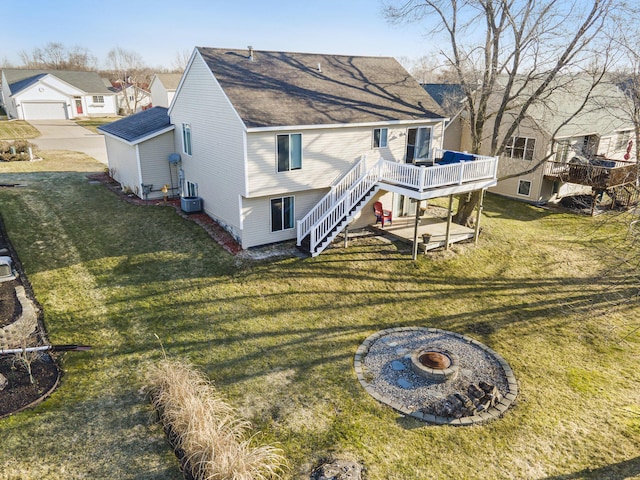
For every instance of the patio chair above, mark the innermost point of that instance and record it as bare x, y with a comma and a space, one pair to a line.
382, 214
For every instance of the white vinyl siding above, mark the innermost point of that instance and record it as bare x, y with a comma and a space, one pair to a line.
328, 154
217, 138
156, 169
123, 163
257, 214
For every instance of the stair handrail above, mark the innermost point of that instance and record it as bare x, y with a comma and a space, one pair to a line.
344, 205
337, 190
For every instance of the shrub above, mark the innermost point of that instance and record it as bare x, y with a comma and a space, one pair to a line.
16, 151
212, 439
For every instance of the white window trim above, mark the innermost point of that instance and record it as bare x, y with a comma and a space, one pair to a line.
386, 138
521, 181
283, 229
512, 145
187, 127
96, 99
289, 169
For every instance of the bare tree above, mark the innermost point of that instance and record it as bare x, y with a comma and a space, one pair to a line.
56, 56
508, 54
181, 60
130, 73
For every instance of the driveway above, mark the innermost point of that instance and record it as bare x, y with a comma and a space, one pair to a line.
67, 135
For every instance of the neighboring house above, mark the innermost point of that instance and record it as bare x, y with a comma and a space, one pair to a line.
586, 155
163, 88
278, 146
55, 95
130, 99
450, 97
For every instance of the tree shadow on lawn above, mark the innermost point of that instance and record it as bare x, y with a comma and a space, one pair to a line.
616, 471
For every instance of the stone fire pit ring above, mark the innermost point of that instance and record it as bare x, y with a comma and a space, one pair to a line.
387, 365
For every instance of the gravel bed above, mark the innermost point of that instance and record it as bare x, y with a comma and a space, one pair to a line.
383, 365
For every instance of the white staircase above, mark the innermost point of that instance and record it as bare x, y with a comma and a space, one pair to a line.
337, 208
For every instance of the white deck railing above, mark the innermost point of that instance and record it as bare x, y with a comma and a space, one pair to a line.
424, 178
327, 203
336, 205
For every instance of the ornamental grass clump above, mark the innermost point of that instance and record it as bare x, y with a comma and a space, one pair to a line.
214, 443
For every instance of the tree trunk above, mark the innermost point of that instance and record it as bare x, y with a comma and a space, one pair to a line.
466, 205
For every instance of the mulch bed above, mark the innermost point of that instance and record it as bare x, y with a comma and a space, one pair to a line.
219, 234
20, 393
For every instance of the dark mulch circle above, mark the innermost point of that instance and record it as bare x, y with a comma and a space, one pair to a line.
20, 393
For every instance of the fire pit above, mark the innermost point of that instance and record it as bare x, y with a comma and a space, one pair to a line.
435, 375
435, 364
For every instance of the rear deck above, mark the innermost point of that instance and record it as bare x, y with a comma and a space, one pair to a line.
403, 229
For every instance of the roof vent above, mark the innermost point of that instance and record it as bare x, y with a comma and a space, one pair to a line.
319, 67
250, 52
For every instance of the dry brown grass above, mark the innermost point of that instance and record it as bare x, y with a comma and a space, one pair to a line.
215, 441
17, 129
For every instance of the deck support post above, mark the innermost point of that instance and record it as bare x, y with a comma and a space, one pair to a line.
346, 236
447, 235
476, 234
415, 231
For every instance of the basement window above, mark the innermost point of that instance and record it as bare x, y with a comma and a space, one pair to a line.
524, 187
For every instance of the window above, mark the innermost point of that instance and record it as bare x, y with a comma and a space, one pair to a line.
521, 147
563, 148
623, 140
281, 214
418, 144
289, 152
590, 144
192, 189
380, 137
98, 99
186, 138
524, 187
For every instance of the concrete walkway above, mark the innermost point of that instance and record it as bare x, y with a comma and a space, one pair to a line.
67, 135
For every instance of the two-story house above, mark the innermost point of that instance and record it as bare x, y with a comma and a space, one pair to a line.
277, 146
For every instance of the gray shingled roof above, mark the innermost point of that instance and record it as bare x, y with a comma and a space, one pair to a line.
443, 92
139, 125
88, 82
281, 88
169, 80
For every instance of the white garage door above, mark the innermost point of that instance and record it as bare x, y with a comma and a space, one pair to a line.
44, 111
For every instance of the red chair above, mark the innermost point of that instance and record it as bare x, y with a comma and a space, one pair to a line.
382, 214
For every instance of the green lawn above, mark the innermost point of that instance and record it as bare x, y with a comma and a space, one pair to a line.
278, 337
17, 130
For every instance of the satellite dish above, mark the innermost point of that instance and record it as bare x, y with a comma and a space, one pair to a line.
174, 158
